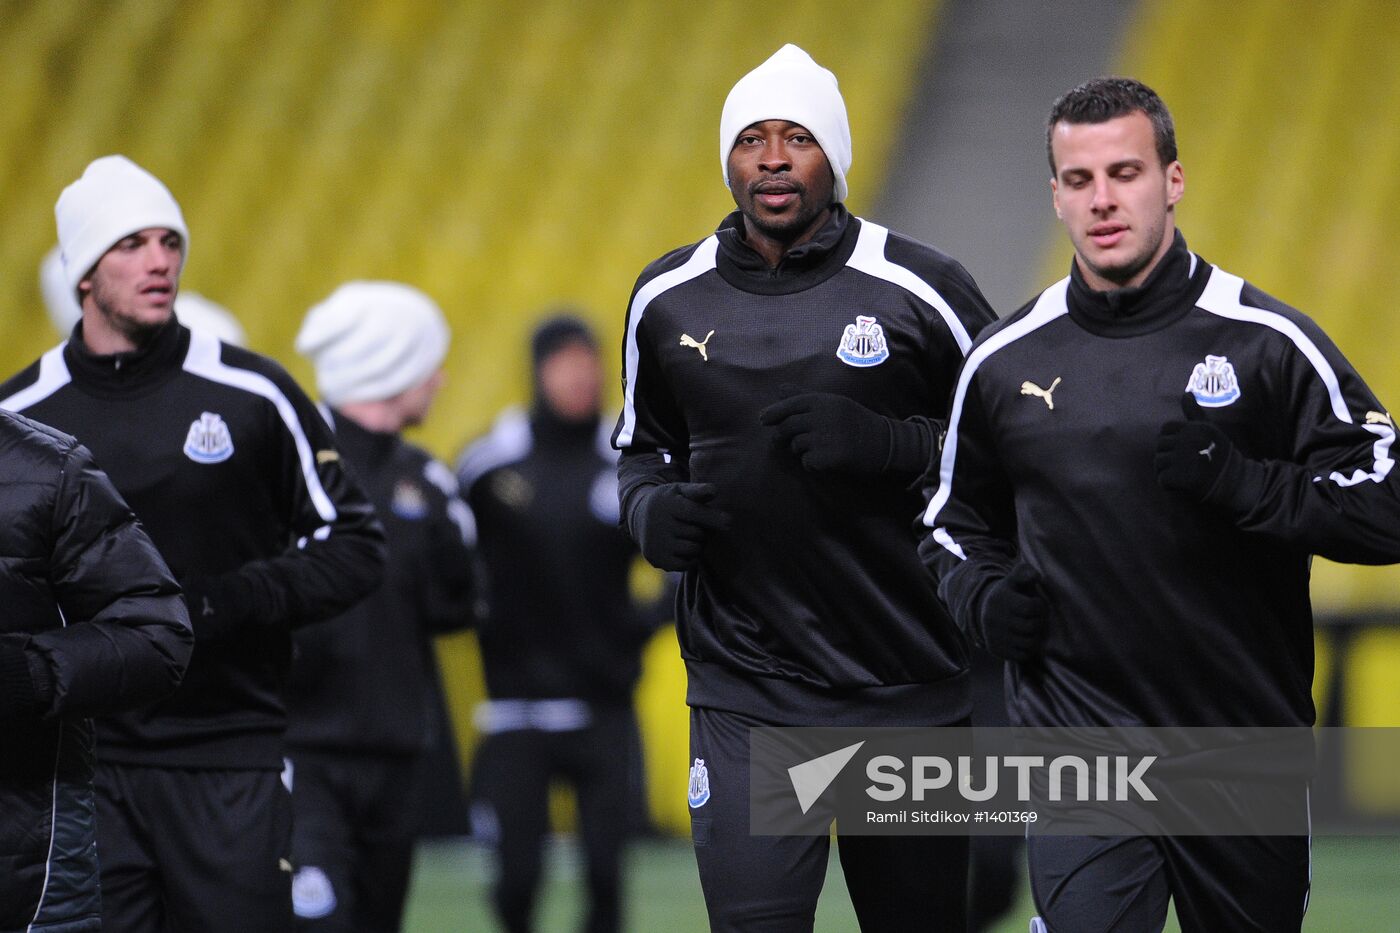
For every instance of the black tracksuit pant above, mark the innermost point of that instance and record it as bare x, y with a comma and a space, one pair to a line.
357, 818
194, 849
770, 884
510, 809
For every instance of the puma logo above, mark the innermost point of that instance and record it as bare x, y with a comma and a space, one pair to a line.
1030, 388
689, 341
1379, 417
1208, 451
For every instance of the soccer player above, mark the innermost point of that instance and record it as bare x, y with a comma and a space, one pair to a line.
1137, 467
782, 380
363, 694
562, 644
93, 624
192, 309
235, 475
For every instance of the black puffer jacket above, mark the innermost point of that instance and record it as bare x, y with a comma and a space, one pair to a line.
91, 622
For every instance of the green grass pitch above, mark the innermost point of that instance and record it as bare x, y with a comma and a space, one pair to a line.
1356, 889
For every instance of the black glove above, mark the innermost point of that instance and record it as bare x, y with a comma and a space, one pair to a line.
671, 522
22, 696
1015, 615
1193, 456
832, 433
218, 606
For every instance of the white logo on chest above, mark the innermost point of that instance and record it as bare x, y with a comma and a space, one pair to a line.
863, 343
208, 440
1213, 382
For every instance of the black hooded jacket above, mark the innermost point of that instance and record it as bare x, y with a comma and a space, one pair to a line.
562, 623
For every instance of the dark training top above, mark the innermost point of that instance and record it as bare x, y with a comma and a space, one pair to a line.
812, 608
366, 681
1164, 611
235, 476
562, 624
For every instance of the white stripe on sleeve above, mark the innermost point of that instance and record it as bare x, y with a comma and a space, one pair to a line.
869, 257
1222, 298
510, 441
53, 375
1048, 307
203, 359
700, 262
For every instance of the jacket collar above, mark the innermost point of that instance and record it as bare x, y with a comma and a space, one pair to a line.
131, 372
369, 445
1168, 292
551, 431
801, 268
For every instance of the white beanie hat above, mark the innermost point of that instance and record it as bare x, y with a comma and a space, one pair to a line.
209, 317
369, 341
114, 198
59, 300
790, 86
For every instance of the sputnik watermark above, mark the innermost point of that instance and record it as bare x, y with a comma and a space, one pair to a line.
1071, 781
929, 773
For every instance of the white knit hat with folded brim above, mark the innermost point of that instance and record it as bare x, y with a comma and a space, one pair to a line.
790, 86
114, 198
369, 341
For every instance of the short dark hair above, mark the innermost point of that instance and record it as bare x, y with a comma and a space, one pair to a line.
563, 327
1102, 99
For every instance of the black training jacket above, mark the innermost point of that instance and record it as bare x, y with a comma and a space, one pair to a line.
99, 619
813, 607
366, 680
562, 622
235, 476
1165, 611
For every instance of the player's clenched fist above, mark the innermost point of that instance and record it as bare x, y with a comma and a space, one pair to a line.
1015, 616
672, 520
1194, 455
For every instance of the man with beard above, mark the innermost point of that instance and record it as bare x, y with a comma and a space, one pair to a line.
1138, 467
235, 476
783, 381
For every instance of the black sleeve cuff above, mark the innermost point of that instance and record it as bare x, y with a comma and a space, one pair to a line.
911, 447
635, 499
220, 606
1239, 487
19, 697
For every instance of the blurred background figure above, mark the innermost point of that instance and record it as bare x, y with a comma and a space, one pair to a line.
365, 697
200, 314
563, 641
193, 309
